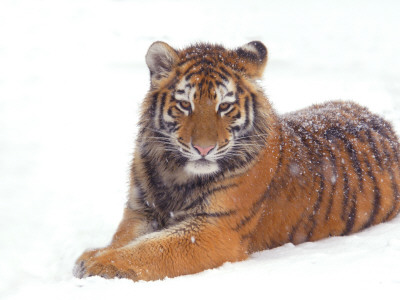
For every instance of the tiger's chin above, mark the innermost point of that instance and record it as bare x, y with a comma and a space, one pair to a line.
201, 167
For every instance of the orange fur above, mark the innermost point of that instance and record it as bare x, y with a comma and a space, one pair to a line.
330, 169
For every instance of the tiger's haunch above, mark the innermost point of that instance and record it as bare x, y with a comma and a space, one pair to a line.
217, 174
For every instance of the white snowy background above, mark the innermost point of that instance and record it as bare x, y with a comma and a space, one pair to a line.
72, 76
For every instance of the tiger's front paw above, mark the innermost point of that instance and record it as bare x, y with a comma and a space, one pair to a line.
79, 267
107, 265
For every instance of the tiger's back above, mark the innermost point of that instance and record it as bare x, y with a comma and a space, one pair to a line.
338, 173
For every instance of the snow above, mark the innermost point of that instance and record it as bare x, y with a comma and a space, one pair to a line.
72, 75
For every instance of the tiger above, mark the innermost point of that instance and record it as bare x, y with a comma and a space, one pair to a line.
217, 174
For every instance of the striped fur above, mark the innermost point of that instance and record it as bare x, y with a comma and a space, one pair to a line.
217, 174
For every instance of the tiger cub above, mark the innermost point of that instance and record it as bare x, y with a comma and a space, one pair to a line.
218, 175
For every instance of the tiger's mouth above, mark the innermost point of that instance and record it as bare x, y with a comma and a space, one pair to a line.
202, 160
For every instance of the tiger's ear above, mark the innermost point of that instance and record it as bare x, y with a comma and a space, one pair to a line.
160, 59
255, 57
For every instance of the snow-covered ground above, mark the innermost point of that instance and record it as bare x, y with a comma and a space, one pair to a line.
72, 75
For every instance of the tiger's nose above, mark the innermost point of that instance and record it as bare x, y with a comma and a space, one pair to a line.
203, 150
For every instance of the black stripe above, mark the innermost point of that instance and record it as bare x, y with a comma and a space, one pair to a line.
247, 54
153, 106
374, 148
222, 76
225, 71
351, 216
223, 146
161, 111
253, 211
388, 160
204, 61
394, 185
170, 112
310, 142
153, 180
382, 127
214, 214
218, 189
235, 128
219, 83
337, 133
183, 144
346, 192
316, 207
206, 69
210, 85
229, 94
237, 116
246, 110
377, 195
205, 194
190, 75
292, 234
396, 151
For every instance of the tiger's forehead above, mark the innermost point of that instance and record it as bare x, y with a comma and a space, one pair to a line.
205, 75
199, 87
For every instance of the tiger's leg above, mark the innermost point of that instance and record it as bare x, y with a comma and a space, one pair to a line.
132, 226
183, 249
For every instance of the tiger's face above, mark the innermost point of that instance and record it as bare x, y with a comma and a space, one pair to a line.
204, 107
209, 120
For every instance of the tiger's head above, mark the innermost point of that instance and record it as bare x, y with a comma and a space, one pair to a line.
205, 113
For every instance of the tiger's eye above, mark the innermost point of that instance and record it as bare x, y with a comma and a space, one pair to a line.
224, 106
185, 104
